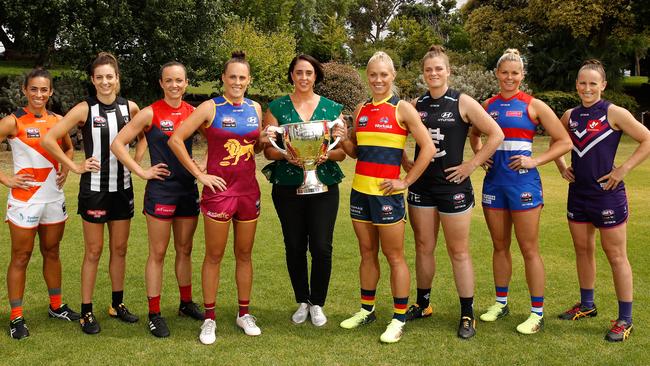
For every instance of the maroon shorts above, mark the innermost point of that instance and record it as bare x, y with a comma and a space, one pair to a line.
224, 208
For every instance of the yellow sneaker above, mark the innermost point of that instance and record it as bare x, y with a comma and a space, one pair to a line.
362, 317
393, 332
532, 325
495, 312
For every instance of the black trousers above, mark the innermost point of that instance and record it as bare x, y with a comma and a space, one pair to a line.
307, 224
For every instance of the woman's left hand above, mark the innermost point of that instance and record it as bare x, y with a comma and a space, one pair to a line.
321, 159
61, 176
390, 186
522, 162
460, 172
613, 179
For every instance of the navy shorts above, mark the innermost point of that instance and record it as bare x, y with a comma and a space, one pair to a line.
378, 210
602, 211
449, 200
166, 206
513, 197
101, 207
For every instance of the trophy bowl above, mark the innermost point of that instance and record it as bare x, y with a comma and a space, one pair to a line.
306, 142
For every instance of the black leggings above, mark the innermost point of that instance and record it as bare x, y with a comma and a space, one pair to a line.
307, 223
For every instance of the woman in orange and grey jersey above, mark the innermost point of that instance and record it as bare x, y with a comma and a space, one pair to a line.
36, 202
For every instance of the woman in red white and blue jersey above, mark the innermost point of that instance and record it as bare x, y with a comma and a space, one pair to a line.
597, 198
512, 189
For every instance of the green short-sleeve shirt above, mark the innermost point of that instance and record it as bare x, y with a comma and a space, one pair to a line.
282, 172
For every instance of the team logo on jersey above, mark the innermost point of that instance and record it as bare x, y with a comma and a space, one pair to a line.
383, 120
593, 125
494, 115
251, 121
33, 132
164, 210
573, 125
166, 125
363, 121
446, 117
423, 115
459, 197
228, 122
488, 198
237, 150
96, 213
99, 122
414, 197
526, 197
384, 123
609, 217
387, 210
517, 114
218, 215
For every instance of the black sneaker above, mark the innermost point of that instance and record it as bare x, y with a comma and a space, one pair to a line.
191, 309
64, 313
466, 327
18, 329
578, 311
122, 313
89, 324
416, 312
620, 331
157, 326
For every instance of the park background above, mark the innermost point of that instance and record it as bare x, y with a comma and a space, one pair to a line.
554, 36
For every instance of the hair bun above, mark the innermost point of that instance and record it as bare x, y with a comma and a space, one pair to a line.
592, 61
238, 54
437, 48
513, 51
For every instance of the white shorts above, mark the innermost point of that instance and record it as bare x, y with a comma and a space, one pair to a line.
30, 215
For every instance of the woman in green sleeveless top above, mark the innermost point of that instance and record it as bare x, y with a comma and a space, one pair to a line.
307, 220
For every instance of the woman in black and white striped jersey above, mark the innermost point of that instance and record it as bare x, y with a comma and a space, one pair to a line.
105, 189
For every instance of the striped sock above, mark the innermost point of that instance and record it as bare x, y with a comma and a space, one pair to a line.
16, 309
625, 311
55, 297
209, 310
186, 293
502, 294
537, 305
243, 307
587, 297
154, 304
399, 308
368, 299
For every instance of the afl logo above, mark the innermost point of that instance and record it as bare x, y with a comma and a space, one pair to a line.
363, 121
446, 115
459, 196
99, 122
526, 197
387, 209
607, 213
423, 115
166, 125
573, 125
33, 132
494, 114
228, 122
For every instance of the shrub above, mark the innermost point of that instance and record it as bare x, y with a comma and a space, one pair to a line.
559, 101
11, 97
69, 89
474, 81
409, 81
342, 84
622, 100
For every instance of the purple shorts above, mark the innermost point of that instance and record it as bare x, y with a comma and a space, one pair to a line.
225, 208
602, 211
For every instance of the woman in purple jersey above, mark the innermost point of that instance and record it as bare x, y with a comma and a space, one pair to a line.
597, 198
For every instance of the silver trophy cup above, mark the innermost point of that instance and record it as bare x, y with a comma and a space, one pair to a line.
306, 142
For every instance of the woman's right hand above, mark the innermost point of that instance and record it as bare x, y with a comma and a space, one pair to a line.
487, 164
212, 181
568, 174
340, 131
20, 181
158, 171
89, 165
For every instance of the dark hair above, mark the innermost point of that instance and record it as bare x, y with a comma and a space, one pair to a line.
318, 68
38, 72
170, 64
596, 65
236, 57
436, 51
106, 58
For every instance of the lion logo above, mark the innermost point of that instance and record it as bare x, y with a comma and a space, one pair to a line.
236, 150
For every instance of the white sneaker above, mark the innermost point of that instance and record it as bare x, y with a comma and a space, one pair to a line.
247, 323
318, 317
301, 314
393, 332
208, 332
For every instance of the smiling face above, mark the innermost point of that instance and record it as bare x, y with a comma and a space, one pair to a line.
590, 85
105, 80
380, 79
435, 72
303, 76
510, 74
173, 82
235, 79
38, 92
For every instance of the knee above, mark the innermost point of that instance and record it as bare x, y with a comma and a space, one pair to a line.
157, 255
422, 249
93, 253
119, 250
321, 250
616, 258
458, 255
394, 257
530, 253
51, 253
184, 249
243, 255
213, 257
20, 258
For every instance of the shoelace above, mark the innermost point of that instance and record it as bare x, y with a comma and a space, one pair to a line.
318, 311
575, 309
209, 327
466, 322
250, 320
616, 328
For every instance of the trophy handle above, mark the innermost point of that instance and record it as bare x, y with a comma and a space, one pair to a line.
276, 130
330, 125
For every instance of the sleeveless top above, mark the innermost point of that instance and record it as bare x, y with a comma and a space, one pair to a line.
512, 116
103, 123
165, 121
30, 158
284, 173
232, 135
594, 147
380, 143
448, 131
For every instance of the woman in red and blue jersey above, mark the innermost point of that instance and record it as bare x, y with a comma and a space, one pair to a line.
231, 125
597, 198
171, 197
512, 189
377, 200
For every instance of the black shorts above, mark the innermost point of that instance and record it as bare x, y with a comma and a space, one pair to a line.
101, 207
169, 205
452, 199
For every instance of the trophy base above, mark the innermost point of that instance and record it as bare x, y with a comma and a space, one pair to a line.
311, 184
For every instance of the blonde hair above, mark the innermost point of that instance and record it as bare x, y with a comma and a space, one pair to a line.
511, 54
436, 51
382, 56
596, 65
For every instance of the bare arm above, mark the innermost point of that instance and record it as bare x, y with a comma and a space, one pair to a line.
68, 150
262, 141
8, 128
565, 171
348, 137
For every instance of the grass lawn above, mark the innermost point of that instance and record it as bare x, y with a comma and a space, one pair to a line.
10, 68
634, 81
426, 342
204, 87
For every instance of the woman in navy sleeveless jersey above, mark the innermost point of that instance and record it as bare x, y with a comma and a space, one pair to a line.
171, 196
512, 189
597, 198
105, 190
443, 194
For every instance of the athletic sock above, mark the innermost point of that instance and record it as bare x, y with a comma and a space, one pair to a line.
625, 311
86, 308
399, 308
154, 304
587, 297
209, 310
502, 294
467, 306
16, 309
537, 305
186, 293
424, 295
118, 298
55, 297
243, 307
368, 299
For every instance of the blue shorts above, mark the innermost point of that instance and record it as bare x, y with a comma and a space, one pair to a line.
513, 197
378, 210
169, 205
602, 211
